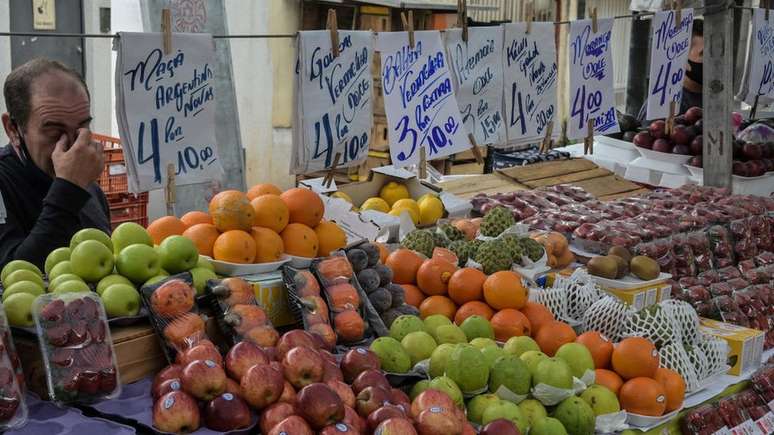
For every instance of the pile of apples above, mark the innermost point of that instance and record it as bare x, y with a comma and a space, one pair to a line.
685, 138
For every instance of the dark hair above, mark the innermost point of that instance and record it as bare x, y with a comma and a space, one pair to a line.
698, 28
17, 86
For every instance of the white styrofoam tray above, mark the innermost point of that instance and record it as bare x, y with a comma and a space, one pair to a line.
629, 282
236, 269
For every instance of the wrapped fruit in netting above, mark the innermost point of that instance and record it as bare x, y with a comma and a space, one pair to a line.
239, 315
690, 223
765, 258
715, 350
700, 362
656, 323
675, 356
13, 406
720, 289
704, 420
609, 316
721, 245
77, 350
761, 233
746, 265
759, 275
763, 382
581, 291
555, 299
744, 245
684, 261
728, 273
702, 254
685, 318
763, 295
708, 277
737, 283
659, 250
729, 311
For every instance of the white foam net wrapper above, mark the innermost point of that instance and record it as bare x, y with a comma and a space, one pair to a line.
608, 316
655, 323
716, 351
686, 319
555, 299
581, 291
701, 363
673, 356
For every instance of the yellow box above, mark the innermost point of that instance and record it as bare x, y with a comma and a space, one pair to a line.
745, 344
664, 292
638, 298
271, 293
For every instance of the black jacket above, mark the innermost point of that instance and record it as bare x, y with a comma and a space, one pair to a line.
41, 213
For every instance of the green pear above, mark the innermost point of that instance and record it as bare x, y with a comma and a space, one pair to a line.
518, 345
419, 345
439, 358
511, 372
578, 357
478, 404
481, 342
554, 372
547, 426
477, 326
533, 410
418, 388
491, 353
601, 400
507, 410
434, 321
532, 358
448, 386
450, 334
404, 325
391, 355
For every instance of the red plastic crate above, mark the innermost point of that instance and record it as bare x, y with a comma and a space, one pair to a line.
113, 178
127, 207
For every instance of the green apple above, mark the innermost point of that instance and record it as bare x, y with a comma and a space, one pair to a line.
22, 275
18, 308
519, 345
91, 234
92, 260
53, 284
62, 268
15, 265
138, 262
121, 300
129, 233
205, 263
200, 276
482, 342
419, 345
155, 279
178, 254
72, 286
110, 280
478, 404
23, 287
56, 256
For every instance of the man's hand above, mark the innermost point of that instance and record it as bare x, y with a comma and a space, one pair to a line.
83, 163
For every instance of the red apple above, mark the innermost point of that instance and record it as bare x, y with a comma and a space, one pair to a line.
320, 405
294, 425
275, 365
739, 168
294, 338
327, 356
468, 429
697, 145
331, 372
680, 135
395, 426
262, 386
398, 397
271, 353
174, 371
325, 333
227, 412
428, 398
288, 394
371, 399
693, 115
358, 360
338, 428
438, 420
275, 414
203, 350
176, 411
681, 149
370, 378
302, 366
501, 426
233, 387
752, 151
166, 387
353, 419
657, 129
243, 356
384, 413
203, 379
343, 390
643, 140
662, 146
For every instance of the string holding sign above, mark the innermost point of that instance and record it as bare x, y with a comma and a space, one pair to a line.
333, 26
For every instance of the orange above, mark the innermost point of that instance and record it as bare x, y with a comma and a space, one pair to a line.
445, 254
466, 284
383, 252
203, 236
466, 226
305, 206
600, 347
608, 379
268, 245
504, 289
635, 357
263, 189
196, 217
270, 212
674, 387
473, 308
537, 314
404, 264
509, 323
437, 305
433, 276
300, 240
412, 294
235, 246
331, 238
643, 396
553, 335
231, 210
164, 227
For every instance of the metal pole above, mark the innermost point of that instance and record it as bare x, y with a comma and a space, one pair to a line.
717, 98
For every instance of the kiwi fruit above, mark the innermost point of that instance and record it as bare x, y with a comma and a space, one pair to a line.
604, 267
623, 266
644, 268
622, 252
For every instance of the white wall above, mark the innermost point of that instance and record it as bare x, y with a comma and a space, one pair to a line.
5, 57
98, 67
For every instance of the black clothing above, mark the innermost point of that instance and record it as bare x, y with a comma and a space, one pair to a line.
41, 213
690, 99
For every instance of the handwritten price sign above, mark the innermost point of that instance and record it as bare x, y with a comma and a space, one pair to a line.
591, 79
529, 63
668, 56
165, 109
759, 76
335, 97
419, 98
478, 81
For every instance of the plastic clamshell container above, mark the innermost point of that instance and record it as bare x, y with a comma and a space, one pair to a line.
13, 407
629, 282
300, 262
236, 269
76, 346
647, 422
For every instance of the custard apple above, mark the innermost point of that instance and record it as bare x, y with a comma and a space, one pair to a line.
496, 221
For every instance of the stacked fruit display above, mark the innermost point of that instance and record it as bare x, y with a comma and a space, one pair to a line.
619, 262
685, 137
259, 226
524, 204
395, 199
753, 152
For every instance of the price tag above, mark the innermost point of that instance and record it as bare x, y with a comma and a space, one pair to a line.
591, 79
668, 56
748, 427
759, 74
165, 108
766, 423
419, 98
529, 64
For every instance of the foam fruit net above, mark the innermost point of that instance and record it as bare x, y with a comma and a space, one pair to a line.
555, 299
581, 292
609, 316
674, 356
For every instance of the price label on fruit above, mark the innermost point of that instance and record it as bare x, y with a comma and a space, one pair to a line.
478, 81
591, 79
668, 56
529, 62
759, 75
334, 113
166, 109
419, 98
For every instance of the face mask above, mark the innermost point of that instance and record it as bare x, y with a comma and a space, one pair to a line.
27, 161
695, 73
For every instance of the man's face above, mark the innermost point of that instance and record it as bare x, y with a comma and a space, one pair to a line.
59, 106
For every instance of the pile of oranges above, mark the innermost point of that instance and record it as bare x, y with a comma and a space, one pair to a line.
256, 227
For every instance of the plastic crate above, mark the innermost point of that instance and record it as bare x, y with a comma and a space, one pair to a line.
127, 207
113, 178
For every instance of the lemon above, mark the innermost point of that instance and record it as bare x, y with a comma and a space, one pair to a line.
392, 192
407, 203
430, 210
413, 214
427, 196
342, 195
377, 204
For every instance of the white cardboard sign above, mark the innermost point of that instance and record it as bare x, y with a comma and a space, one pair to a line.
668, 56
759, 75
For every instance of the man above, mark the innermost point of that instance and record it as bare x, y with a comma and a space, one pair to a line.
48, 171
692, 82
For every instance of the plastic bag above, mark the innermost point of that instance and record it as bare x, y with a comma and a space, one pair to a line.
757, 132
13, 412
239, 315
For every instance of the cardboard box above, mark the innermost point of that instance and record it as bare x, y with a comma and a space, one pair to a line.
638, 298
745, 344
271, 293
